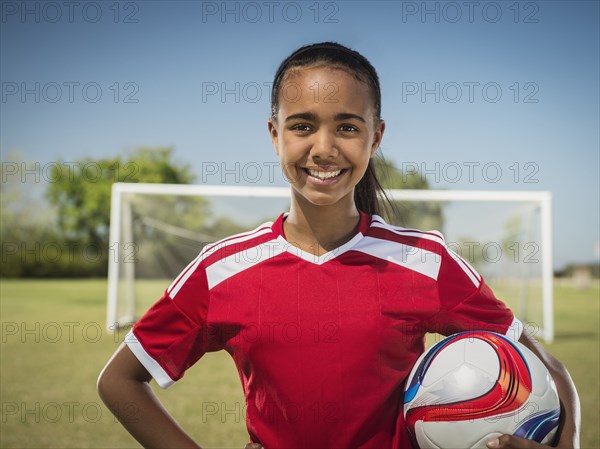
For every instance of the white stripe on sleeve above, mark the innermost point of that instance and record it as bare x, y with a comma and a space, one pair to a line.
155, 370
515, 330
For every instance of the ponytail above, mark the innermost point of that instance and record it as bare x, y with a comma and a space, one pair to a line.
370, 196
365, 192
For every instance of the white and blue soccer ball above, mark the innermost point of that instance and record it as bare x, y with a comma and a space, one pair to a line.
473, 386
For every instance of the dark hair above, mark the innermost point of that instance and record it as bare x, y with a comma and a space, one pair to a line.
368, 194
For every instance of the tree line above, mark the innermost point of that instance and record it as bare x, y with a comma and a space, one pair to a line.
64, 231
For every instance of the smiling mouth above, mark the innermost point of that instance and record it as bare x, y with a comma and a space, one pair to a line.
324, 175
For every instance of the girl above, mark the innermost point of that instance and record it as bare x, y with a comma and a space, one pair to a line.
324, 310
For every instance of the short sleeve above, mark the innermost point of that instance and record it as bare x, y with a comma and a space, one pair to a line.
174, 333
467, 303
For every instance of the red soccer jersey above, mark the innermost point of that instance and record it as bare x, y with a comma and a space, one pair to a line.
324, 344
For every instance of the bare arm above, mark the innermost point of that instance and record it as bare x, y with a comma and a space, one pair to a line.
570, 407
123, 386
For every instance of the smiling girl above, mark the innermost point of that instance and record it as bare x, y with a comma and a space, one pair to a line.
324, 310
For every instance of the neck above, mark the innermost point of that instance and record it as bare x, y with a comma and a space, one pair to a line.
318, 229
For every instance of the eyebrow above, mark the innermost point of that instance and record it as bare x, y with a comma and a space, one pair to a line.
312, 117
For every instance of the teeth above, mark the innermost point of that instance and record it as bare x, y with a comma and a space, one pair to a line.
324, 174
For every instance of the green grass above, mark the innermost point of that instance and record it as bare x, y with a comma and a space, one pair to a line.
54, 345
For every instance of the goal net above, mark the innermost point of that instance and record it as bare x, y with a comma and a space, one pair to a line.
157, 229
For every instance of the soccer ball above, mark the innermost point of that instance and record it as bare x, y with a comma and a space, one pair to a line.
473, 386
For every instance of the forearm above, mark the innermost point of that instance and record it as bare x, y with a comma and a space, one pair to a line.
140, 412
571, 408
123, 386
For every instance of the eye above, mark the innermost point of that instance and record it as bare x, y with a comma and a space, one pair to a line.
348, 128
300, 127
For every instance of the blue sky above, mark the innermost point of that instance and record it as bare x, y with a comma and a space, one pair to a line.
509, 89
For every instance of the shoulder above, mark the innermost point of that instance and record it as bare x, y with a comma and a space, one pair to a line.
196, 273
431, 240
238, 242
424, 251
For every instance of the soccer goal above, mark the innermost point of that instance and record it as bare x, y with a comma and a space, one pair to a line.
157, 229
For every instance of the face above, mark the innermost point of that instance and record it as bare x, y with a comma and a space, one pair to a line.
325, 134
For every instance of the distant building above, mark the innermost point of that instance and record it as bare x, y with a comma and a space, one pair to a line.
580, 275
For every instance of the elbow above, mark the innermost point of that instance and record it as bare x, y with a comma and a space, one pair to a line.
556, 366
105, 383
553, 365
102, 384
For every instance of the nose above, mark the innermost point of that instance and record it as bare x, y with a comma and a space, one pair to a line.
324, 146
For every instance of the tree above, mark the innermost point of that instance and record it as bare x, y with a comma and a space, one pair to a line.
26, 225
82, 195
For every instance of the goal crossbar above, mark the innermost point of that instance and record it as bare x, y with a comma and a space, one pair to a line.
120, 210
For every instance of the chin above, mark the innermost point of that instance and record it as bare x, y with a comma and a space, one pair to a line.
322, 199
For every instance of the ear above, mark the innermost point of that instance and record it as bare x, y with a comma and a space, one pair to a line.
274, 134
378, 137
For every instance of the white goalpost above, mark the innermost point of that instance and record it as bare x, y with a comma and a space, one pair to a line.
522, 228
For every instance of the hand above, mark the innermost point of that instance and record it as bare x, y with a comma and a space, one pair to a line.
253, 446
513, 442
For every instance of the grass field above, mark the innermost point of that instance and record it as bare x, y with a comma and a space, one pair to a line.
54, 345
